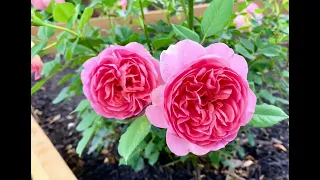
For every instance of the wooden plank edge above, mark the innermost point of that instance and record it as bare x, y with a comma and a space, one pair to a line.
46, 162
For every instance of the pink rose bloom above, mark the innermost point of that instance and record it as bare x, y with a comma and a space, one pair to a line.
124, 5
119, 81
36, 65
43, 4
244, 21
205, 98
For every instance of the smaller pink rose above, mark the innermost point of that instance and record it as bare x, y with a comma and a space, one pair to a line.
124, 5
119, 81
245, 20
36, 65
43, 4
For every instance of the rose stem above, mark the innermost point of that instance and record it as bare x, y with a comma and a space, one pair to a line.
190, 17
145, 28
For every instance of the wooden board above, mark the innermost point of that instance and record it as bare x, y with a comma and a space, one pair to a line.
46, 162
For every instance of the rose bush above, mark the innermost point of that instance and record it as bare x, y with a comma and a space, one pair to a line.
205, 99
212, 82
118, 82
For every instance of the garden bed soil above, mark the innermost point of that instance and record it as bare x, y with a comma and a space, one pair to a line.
270, 153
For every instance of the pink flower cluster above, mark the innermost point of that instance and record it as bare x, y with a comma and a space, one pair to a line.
200, 95
245, 20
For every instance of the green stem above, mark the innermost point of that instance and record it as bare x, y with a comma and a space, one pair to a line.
204, 37
145, 28
256, 59
171, 163
61, 28
50, 46
182, 2
190, 17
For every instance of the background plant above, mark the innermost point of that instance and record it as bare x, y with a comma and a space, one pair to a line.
265, 48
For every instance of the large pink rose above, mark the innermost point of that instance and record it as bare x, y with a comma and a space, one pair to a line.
119, 81
205, 99
245, 20
43, 4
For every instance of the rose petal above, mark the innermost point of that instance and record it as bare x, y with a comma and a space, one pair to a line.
236, 62
178, 56
239, 65
139, 49
155, 112
252, 101
221, 50
177, 145
252, 7
197, 150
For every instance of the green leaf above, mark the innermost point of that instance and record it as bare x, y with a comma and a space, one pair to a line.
285, 73
71, 50
281, 100
247, 44
87, 121
267, 95
122, 162
65, 79
183, 158
153, 158
45, 33
38, 85
250, 139
81, 106
63, 12
109, 3
214, 157
258, 11
228, 163
185, 33
135, 133
50, 66
240, 151
268, 51
35, 20
64, 93
50, 7
240, 49
140, 165
251, 85
85, 17
162, 42
37, 48
85, 139
267, 115
89, 41
216, 17
149, 148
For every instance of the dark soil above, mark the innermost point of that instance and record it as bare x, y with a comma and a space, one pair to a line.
270, 153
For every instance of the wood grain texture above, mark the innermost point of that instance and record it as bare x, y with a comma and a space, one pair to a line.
46, 162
